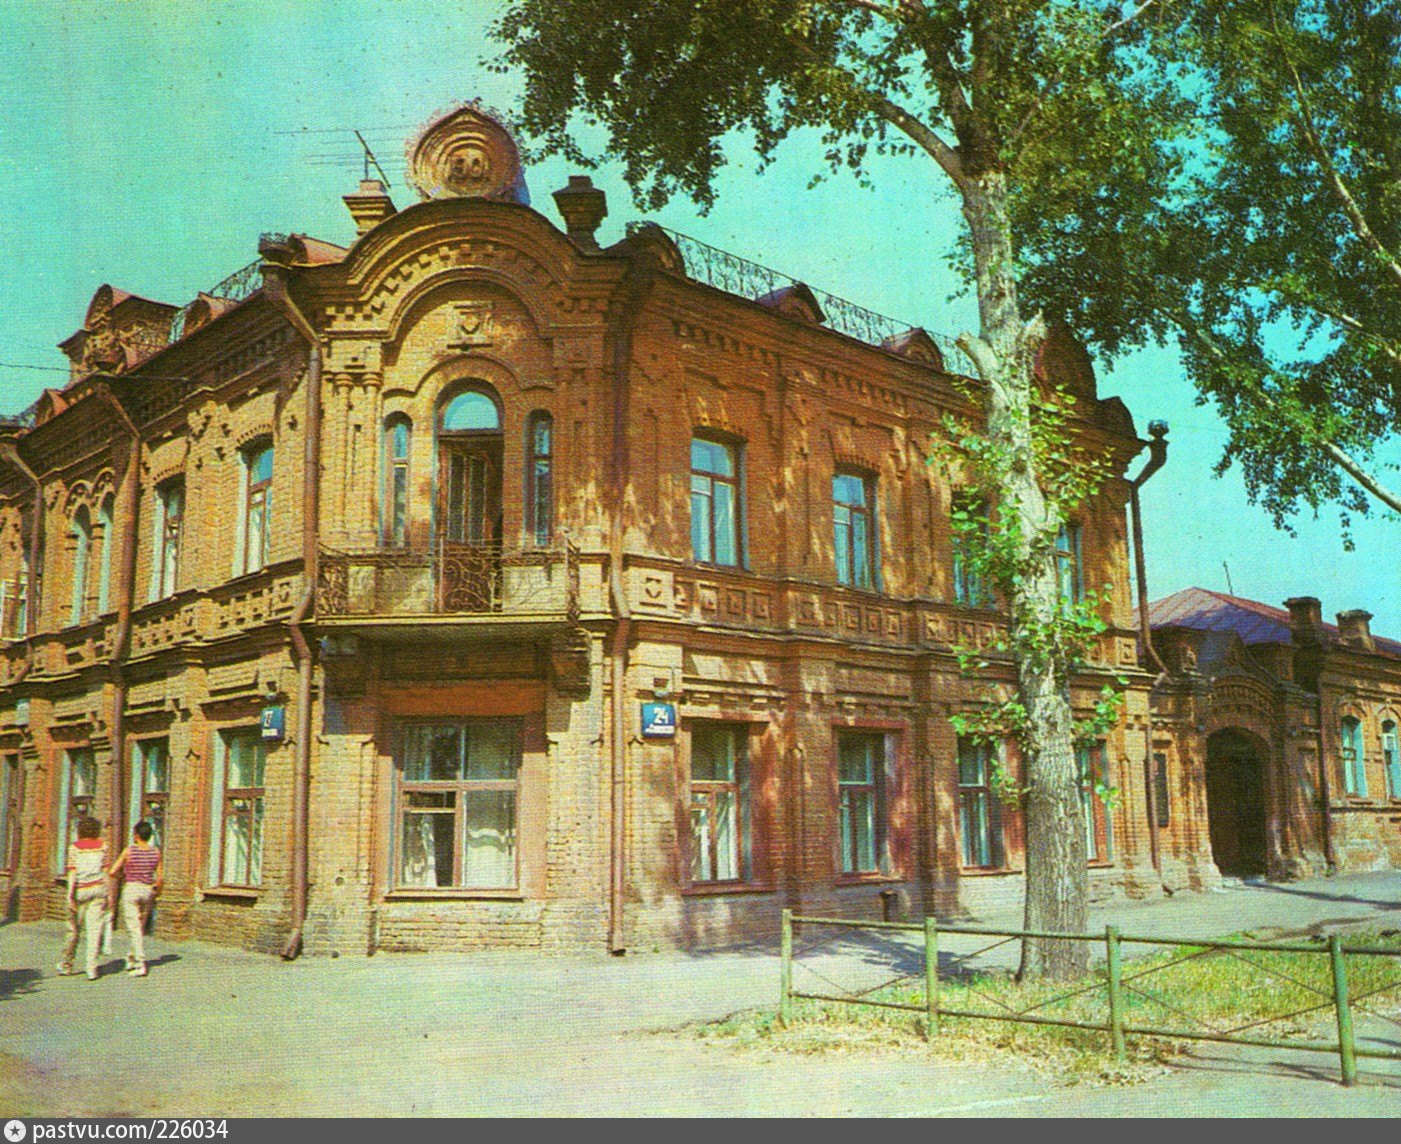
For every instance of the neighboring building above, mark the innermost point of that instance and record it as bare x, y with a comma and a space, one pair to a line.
1285, 730
635, 602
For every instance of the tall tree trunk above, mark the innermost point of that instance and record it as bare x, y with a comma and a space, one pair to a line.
1056, 877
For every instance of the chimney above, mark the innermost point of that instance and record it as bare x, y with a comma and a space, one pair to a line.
1305, 619
582, 206
1355, 628
370, 205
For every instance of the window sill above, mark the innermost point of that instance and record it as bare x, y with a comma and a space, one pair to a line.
870, 880
230, 894
720, 889
427, 894
988, 871
1100, 864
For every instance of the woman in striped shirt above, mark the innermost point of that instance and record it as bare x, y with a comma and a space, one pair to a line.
141, 866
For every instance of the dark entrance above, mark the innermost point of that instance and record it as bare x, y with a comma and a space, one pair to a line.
469, 503
1235, 797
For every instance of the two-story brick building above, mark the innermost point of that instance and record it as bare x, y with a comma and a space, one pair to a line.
477, 586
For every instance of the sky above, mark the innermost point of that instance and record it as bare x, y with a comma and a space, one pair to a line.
148, 144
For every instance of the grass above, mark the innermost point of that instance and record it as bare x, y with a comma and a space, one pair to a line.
1181, 987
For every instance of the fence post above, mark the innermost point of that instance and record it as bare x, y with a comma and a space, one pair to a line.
931, 978
1346, 1049
785, 1002
1116, 1000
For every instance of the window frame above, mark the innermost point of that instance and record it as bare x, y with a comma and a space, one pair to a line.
539, 478
1162, 791
459, 787
106, 518
11, 808
1070, 561
256, 550
734, 481
142, 796
1353, 755
877, 789
706, 793
969, 589
82, 556
168, 529
395, 489
71, 805
981, 792
870, 565
256, 812
1091, 762
1391, 756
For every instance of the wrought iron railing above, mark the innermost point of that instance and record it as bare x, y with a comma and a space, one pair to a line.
449, 578
736, 275
238, 286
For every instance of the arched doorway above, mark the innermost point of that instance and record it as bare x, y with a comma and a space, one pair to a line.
1235, 797
469, 500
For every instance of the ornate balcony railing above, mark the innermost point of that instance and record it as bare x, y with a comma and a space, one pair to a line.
237, 287
465, 579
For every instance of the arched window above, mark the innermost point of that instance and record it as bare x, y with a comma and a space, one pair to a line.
82, 548
471, 411
394, 521
109, 539
1354, 757
539, 478
1391, 755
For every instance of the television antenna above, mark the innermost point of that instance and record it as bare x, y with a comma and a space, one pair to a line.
371, 161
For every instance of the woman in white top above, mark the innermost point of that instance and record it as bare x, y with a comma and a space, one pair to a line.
87, 895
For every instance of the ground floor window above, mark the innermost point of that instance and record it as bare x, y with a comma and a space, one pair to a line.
979, 807
10, 778
861, 787
240, 808
457, 804
1391, 756
78, 790
720, 833
1162, 801
150, 785
1092, 764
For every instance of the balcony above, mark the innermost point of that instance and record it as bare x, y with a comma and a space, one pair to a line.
448, 588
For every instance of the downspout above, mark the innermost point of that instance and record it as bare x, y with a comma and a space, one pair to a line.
1325, 795
637, 285
126, 581
275, 287
1157, 457
10, 451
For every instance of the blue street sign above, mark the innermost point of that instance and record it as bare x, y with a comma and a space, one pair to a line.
274, 723
658, 721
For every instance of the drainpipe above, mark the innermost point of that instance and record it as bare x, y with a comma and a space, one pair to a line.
1157, 457
275, 287
9, 449
1330, 860
637, 285
126, 580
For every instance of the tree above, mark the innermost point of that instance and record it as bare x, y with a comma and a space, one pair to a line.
1013, 100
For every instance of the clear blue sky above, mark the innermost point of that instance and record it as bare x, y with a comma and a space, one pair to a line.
148, 144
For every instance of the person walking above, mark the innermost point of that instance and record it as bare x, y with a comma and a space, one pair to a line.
87, 895
142, 875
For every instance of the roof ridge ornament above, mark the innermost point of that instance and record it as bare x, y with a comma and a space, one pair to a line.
466, 151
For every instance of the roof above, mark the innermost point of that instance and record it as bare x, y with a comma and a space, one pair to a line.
1255, 623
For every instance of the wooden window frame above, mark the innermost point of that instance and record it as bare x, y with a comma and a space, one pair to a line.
106, 517
11, 808
1391, 756
1162, 790
870, 565
142, 797
706, 793
971, 794
969, 589
1070, 561
74, 806
394, 510
256, 812
257, 495
877, 788
734, 481
169, 527
539, 478
1353, 756
82, 556
460, 788
1091, 762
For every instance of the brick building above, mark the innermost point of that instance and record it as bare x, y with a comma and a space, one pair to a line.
1282, 732
477, 586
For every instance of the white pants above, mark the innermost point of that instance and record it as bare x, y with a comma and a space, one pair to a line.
89, 916
136, 904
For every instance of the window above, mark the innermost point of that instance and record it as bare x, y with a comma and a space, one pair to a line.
78, 789
10, 781
82, 548
968, 587
979, 807
1354, 758
109, 540
1162, 797
1099, 827
395, 519
715, 490
239, 859
853, 514
16, 617
472, 411
720, 840
457, 799
539, 478
257, 507
861, 791
1070, 573
169, 518
1391, 756
150, 785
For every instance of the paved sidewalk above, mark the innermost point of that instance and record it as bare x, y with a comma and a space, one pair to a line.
220, 1031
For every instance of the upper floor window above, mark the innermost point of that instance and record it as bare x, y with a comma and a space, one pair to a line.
82, 549
719, 803
169, 519
853, 518
715, 495
14, 602
471, 411
109, 542
539, 478
862, 798
1354, 757
1091, 762
395, 523
979, 807
1070, 572
257, 506
1391, 756
970, 527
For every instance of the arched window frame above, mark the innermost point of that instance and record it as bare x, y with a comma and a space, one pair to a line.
394, 506
255, 507
1352, 748
82, 551
105, 514
457, 395
539, 478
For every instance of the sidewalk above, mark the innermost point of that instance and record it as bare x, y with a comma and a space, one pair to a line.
218, 1031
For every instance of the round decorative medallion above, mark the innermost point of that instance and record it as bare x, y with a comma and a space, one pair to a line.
466, 153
